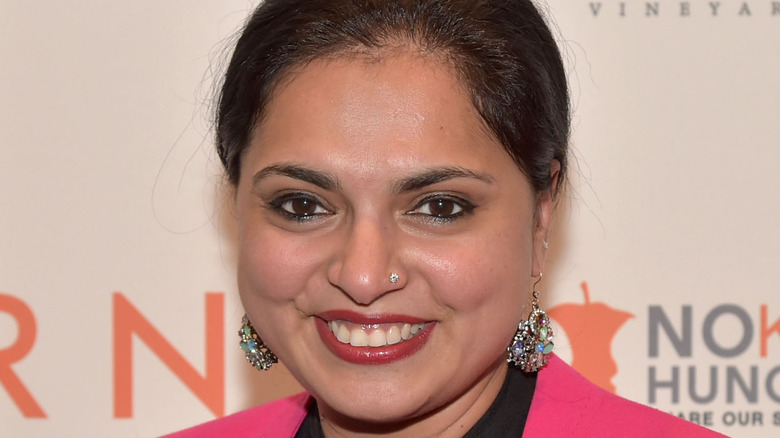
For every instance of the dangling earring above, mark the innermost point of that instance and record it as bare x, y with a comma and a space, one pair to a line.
257, 353
532, 344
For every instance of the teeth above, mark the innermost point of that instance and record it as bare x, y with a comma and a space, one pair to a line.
358, 338
393, 335
343, 334
377, 338
406, 332
373, 335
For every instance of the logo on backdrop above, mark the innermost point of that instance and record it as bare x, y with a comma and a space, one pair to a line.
591, 328
745, 377
667, 8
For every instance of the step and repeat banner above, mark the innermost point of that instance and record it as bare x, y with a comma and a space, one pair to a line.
118, 304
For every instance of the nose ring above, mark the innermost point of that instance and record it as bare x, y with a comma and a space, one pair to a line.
394, 278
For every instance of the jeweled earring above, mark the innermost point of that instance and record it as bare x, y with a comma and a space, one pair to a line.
257, 353
532, 344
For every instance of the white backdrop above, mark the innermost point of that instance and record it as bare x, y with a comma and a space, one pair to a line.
110, 222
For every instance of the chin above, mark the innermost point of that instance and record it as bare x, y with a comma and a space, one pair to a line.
375, 407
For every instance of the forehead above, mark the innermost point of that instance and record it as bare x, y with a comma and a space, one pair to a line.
403, 109
405, 80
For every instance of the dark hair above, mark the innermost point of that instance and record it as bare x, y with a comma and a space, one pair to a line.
502, 50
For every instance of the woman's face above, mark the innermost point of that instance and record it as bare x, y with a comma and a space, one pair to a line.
361, 169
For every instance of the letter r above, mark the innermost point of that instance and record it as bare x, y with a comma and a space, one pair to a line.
16, 352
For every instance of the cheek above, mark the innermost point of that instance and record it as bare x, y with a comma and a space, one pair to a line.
484, 274
271, 267
482, 290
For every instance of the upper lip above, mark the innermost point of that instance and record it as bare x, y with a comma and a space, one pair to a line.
367, 319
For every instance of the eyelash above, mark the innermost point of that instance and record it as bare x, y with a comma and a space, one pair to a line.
462, 206
279, 203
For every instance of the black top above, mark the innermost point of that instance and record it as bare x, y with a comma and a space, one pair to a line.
505, 417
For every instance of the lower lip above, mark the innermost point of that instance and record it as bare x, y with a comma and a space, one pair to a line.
373, 355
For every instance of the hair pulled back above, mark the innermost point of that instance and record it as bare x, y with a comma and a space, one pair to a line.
502, 51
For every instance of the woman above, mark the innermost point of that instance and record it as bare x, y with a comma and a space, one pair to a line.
395, 166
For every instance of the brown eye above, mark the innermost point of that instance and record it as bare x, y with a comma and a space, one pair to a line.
299, 206
442, 208
303, 207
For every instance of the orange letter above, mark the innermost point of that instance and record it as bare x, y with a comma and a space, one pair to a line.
210, 389
766, 331
24, 343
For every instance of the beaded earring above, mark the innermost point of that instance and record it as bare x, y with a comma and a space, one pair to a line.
257, 353
532, 344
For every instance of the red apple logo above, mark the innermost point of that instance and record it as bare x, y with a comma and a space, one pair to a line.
591, 328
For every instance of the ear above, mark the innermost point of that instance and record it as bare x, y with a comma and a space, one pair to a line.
544, 210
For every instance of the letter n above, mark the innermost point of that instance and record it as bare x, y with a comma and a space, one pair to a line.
210, 388
683, 344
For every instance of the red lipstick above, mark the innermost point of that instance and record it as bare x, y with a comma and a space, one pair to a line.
371, 355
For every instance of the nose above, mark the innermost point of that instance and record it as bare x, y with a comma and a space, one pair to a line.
363, 267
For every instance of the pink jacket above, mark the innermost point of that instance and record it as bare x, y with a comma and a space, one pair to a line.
565, 404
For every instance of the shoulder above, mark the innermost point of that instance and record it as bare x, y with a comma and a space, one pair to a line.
275, 419
567, 404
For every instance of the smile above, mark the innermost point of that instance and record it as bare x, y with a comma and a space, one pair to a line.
374, 335
372, 339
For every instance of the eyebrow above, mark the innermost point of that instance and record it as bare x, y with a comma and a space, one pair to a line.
318, 178
408, 184
436, 175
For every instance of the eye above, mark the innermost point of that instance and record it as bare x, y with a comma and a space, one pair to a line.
299, 206
442, 208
